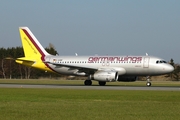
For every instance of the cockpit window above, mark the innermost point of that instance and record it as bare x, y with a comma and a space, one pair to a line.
164, 62
160, 61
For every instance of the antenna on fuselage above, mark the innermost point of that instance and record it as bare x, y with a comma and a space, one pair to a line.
76, 54
146, 54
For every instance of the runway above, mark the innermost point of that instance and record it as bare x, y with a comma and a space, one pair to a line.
92, 87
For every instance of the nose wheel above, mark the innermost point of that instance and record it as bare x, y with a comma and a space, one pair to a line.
148, 84
148, 81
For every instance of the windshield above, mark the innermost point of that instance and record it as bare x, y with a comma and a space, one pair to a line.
160, 61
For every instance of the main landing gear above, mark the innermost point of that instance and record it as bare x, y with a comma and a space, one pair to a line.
148, 81
102, 83
89, 82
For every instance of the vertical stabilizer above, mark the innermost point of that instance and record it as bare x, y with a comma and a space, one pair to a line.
31, 46
34, 52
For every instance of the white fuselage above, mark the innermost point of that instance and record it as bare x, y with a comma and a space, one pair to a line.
125, 65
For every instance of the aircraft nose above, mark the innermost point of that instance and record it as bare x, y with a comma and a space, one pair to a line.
169, 68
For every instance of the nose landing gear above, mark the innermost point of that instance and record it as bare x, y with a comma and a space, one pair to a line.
148, 81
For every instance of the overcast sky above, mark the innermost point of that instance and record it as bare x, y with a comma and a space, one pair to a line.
89, 27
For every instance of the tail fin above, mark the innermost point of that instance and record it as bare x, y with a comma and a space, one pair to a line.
33, 50
31, 46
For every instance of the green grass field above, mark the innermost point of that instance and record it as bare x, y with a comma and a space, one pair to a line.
73, 104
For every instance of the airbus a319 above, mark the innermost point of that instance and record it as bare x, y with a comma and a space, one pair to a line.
100, 68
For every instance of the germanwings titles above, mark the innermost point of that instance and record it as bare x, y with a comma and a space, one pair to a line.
115, 59
100, 68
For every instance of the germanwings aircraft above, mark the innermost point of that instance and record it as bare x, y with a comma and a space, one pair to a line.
100, 68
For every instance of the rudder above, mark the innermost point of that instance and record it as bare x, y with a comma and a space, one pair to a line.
34, 52
31, 46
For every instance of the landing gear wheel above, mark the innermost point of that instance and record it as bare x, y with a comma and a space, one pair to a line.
148, 78
148, 84
102, 83
87, 82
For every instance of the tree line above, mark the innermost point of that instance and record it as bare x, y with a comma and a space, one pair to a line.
9, 69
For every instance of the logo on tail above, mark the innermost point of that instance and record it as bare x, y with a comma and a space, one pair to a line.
33, 50
31, 45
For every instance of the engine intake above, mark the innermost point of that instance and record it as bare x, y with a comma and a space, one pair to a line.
106, 76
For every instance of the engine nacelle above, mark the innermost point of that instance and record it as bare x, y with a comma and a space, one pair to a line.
127, 78
106, 76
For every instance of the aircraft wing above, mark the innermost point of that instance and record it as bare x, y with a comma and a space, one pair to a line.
89, 70
80, 68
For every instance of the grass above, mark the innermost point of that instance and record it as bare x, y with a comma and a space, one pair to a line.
56, 104
74, 104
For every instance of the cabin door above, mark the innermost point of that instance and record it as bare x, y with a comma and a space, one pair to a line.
146, 62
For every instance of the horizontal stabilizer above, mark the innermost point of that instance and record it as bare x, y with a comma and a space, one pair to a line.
25, 59
20, 59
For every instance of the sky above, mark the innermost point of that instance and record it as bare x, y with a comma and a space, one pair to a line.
96, 27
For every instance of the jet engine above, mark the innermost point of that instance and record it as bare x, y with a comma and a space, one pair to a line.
105, 76
127, 78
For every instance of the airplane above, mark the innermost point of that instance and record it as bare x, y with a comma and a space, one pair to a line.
99, 68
